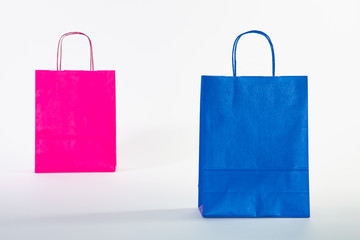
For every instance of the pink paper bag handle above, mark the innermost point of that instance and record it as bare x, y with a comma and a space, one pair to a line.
59, 50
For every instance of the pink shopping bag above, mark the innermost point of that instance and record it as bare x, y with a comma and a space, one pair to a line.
75, 119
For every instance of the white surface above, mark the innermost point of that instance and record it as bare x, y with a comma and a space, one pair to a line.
159, 49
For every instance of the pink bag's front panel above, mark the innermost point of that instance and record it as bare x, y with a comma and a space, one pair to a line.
75, 121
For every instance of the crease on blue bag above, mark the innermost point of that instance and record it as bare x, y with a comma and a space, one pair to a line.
253, 150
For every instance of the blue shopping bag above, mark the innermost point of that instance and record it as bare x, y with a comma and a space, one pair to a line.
253, 156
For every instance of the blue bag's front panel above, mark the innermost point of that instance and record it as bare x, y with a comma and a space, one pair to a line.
254, 147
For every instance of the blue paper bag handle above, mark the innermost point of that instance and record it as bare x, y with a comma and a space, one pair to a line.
235, 46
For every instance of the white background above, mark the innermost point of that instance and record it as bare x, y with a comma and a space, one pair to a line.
159, 50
